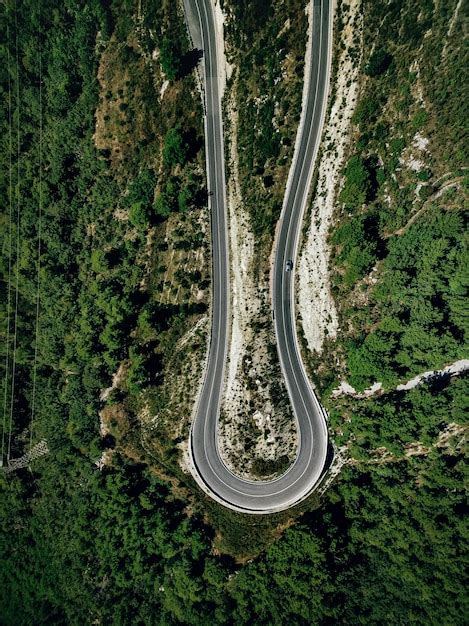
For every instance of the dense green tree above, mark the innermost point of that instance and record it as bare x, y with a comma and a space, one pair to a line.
378, 62
81, 545
174, 148
357, 183
280, 589
366, 110
170, 58
138, 215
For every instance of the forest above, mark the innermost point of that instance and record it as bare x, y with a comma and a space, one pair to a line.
400, 244
91, 166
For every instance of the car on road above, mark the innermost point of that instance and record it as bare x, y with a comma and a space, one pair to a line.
289, 266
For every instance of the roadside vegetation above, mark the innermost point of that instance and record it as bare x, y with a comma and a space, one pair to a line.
266, 41
265, 47
122, 269
107, 528
400, 245
399, 281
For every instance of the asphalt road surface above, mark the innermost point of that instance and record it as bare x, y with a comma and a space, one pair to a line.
208, 468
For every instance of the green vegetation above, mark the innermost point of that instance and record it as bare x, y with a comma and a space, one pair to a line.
144, 561
357, 249
357, 185
174, 149
366, 110
400, 277
417, 303
406, 317
398, 419
170, 58
267, 92
134, 542
378, 62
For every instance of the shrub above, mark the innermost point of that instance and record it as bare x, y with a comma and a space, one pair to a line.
184, 197
357, 183
378, 62
367, 109
142, 188
138, 215
396, 145
161, 205
420, 119
169, 58
136, 374
174, 149
99, 262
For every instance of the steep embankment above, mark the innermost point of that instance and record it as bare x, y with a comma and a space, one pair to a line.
387, 235
316, 306
262, 107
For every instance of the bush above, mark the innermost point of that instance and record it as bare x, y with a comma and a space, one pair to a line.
161, 205
137, 375
169, 58
378, 62
184, 197
138, 215
174, 149
357, 183
420, 119
396, 146
367, 109
99, 262
142, 188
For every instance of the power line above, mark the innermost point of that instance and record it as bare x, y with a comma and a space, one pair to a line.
39, 233
36, 451
10, 238
18, 222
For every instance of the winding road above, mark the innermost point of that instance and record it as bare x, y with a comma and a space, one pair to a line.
208, 468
